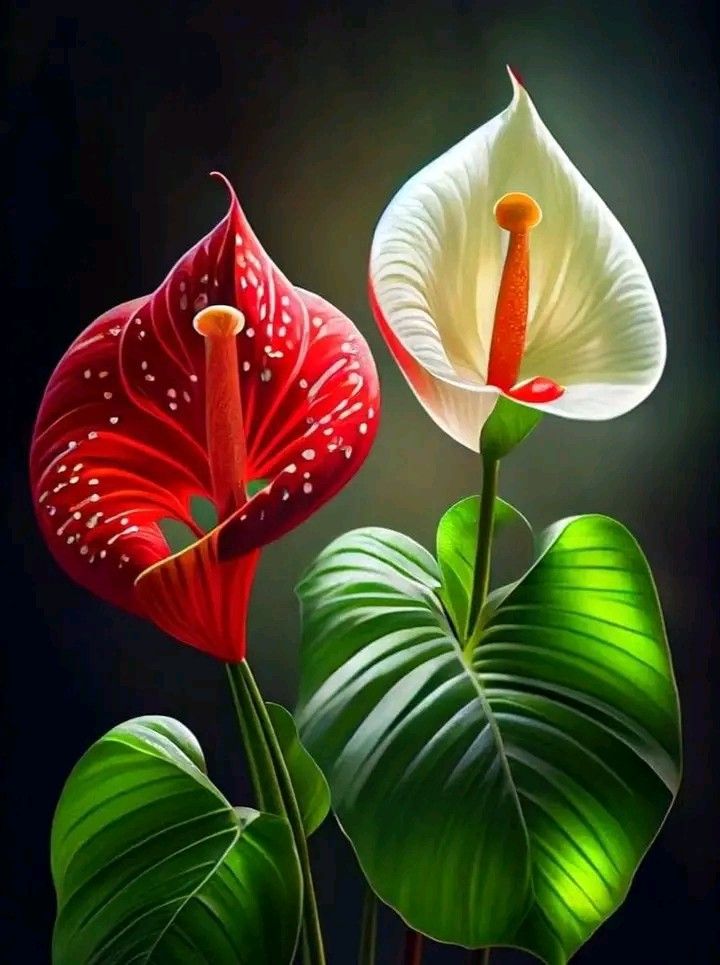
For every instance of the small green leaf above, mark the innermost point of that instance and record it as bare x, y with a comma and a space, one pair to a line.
524, 783
509, 423
456, 549
152, 865
311, 788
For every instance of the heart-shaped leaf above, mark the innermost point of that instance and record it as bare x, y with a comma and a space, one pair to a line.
153, 866
502, 794
456, 547
311, 788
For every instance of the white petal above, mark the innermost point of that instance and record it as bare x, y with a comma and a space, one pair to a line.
594, 323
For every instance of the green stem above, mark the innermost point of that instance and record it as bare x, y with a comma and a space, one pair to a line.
368, 928
267, 795
276, 786
413, 952
481, 574
481, 585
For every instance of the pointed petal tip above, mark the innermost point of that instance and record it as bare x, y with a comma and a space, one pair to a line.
515, 76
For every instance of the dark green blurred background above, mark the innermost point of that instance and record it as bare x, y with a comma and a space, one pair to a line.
318, 113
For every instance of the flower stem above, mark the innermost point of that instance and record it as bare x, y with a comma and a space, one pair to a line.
413, 947
274, 787
481, 574
368, 928
481, 585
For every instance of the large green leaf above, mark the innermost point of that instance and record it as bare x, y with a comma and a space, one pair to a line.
152, 865
503, 796
308, 781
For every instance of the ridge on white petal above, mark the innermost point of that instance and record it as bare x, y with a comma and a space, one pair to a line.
594, 323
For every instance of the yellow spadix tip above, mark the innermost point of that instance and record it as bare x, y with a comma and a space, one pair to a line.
219, 320
517, 212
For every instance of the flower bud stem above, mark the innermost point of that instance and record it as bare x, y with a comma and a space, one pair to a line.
274, 791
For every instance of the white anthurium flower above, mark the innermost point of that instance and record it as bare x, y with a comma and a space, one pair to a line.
498, 269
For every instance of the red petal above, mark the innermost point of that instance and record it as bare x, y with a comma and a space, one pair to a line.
311, 434
126, 404
103, 472
199, 600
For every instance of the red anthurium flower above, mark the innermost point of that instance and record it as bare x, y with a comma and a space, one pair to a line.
227, 383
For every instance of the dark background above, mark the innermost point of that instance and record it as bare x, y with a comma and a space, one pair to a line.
318, 113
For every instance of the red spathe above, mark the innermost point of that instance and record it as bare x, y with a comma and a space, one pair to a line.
120, 439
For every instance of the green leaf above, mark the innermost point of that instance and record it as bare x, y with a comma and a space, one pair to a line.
456, 548
311, 788
153, 866
509, 423
505, 798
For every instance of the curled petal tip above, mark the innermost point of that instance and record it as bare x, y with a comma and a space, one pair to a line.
230, 189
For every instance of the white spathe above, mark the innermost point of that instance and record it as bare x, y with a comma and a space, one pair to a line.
594, 323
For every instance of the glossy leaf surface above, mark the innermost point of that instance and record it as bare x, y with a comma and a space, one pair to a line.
311, 788
457, 546
151, 864
505, 796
